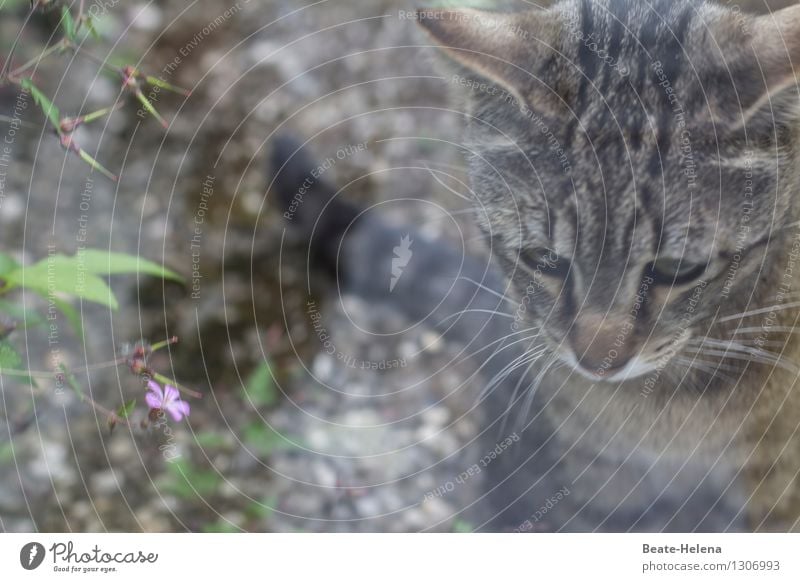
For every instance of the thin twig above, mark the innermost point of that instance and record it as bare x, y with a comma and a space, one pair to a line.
7, 119
7, 64
13, 75
93, 57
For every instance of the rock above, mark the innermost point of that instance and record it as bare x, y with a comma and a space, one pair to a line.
106, 482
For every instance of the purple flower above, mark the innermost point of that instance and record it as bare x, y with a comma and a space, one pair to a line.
168, 400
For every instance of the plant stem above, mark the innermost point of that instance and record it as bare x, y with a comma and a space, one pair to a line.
12, 76
7, 119
53, 375
7, 64
160, 345
106, 411
92, 57
164, 380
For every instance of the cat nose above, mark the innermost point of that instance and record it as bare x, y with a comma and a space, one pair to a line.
602, 344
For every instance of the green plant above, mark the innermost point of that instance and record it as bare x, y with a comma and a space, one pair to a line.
188, 481
78, 28
259, 390
66, 281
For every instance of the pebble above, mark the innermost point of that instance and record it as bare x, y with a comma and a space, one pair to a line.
438, 416
324, 475
146, 17
323, 367
107, 482
228, 490
369, 506
11, 208
431, 342
152, 522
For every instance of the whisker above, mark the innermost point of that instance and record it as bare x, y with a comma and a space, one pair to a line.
708, 369
485, 288
771, 344
451, 213
529, 397
513, 398
725, 344
487, 311
498, 350
733, 346
774, 329
791, 225
745, 358
458, 169
435, 173
521, 360
737, 316
505, 337
508, 370
476, 238
716, 365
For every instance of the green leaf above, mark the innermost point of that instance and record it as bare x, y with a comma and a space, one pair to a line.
6, 453
9, 358
152, 110
126, 409
96, 165
68, 23
166, 86
221, 526
28, 317
107, 263
72, 316
260, 389
461, 526
186, 481
100, 113
50, 111
78, 277
265, 440
71, 380
61, 274
210, 440
88, 20
262, 510
12, 4
7, 264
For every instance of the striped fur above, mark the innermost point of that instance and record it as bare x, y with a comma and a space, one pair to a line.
620, 132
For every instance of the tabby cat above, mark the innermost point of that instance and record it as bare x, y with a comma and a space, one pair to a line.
639, 163
635, 167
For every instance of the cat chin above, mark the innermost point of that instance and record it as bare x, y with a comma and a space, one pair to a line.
635, 368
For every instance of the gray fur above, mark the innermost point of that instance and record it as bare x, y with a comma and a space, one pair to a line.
581, 145
616, 133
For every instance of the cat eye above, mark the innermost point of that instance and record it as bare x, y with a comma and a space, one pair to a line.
545, 262
675, 271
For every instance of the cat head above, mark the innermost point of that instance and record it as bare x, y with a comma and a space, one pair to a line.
633, 165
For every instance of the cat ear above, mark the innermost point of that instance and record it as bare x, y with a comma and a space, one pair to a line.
776, 43
502, 48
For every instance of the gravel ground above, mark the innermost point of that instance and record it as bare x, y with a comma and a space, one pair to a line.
319, 446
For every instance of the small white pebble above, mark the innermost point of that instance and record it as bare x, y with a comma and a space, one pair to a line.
323, 367
431, 342
146, 17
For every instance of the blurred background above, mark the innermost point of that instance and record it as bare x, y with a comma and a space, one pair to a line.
286, 437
